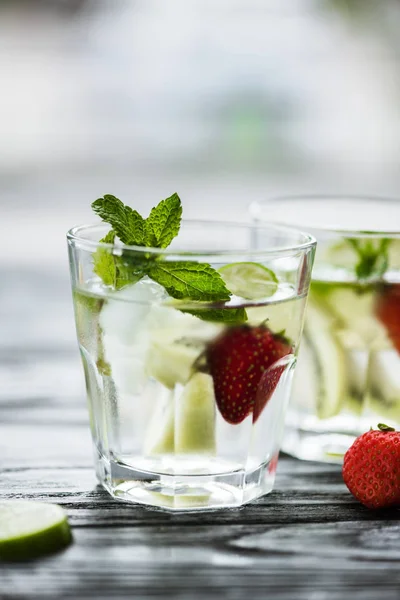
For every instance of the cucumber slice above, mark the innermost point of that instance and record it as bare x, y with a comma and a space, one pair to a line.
354, 309
384, 385
329, 359
31, 529
176, 341
171, 362
306, 378
159, 438
195, 417
357, 381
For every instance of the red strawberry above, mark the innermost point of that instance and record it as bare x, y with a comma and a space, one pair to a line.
371, 468
273, 464
237, 359
267, 385
388, 311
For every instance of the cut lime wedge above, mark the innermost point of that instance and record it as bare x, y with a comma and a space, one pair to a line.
31, 529
249, 280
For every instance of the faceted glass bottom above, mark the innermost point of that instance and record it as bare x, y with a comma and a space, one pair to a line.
185, 490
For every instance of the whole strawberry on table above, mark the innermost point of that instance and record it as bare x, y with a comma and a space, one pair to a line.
371, 468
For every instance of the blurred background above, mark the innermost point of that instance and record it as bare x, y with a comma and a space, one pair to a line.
223, 101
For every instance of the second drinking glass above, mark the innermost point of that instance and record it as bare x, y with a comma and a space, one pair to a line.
348, 376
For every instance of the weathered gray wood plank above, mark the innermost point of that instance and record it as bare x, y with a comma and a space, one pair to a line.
199, 561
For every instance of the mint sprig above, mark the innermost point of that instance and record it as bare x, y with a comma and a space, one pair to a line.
373, 257
127, 224
183, 280
164, 222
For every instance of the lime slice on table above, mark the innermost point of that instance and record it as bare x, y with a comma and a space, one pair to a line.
31, 529
249, 280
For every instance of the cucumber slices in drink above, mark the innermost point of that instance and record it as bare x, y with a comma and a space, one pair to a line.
31, 529
249, 280
329, 375
195, 417
384, 385
183, 421
159, 437
352, 306
171, 361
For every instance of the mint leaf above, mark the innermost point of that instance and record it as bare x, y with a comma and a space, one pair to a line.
115, 271
229, 316
373, 257
104, 262
190, 280
126, 275
164, 222
130, 268
126, 222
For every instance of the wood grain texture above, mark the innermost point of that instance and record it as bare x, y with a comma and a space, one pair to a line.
308, 540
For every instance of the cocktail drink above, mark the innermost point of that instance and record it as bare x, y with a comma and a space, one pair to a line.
188, 352
348, 376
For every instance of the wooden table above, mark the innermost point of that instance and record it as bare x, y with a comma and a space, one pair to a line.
308, 540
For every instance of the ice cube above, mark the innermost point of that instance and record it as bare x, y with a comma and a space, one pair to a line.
125, 311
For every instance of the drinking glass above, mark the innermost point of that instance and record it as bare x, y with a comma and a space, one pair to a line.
187, 399
348, 376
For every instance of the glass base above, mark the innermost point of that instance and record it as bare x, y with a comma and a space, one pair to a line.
316, 446
327, 440
184, 491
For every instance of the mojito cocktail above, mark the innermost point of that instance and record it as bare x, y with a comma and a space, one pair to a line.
188, 353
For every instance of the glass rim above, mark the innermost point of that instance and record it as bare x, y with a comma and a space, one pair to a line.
256, 206
308, 240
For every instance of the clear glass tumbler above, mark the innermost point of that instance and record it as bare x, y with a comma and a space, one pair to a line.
187, 399
348, 376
